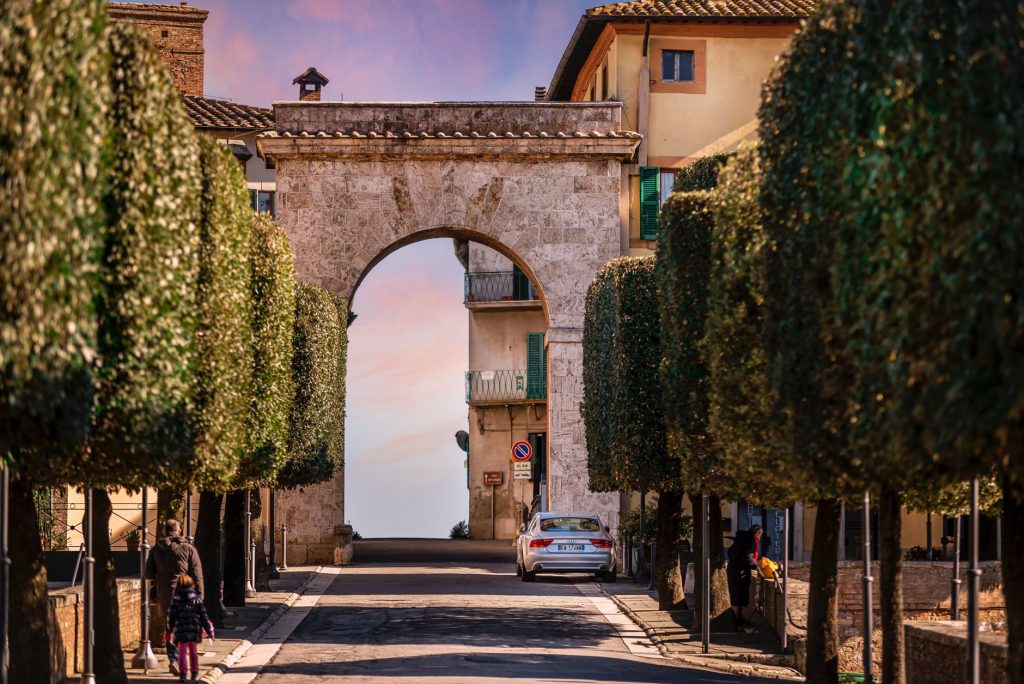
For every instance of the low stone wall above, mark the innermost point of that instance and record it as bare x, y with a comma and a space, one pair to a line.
937, 651
925, 588
69, 612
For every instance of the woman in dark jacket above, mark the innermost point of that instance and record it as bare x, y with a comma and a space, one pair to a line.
743, 556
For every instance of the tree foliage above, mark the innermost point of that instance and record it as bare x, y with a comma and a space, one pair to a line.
750, 437
273, 294
52, 96
316, 424
623, 408
701, 174
223, 363
146, 301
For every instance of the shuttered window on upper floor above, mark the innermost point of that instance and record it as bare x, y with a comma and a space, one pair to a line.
536, 366
650, 201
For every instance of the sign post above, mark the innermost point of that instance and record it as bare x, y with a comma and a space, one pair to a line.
493, 478
520, 455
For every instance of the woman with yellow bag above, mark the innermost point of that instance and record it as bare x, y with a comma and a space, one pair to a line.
743, 556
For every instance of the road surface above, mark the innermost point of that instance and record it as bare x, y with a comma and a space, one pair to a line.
467, 621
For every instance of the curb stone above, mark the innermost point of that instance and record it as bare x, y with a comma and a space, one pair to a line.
717, 664
217, 670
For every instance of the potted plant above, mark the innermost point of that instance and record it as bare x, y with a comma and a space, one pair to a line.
132, 540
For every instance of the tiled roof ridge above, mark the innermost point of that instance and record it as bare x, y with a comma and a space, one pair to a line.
410, 135
707, 9
208, 112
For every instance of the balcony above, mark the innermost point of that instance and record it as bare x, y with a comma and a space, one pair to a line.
505, 386
500, 291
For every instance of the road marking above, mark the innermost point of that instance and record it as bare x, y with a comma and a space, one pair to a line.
635, 639
248, 667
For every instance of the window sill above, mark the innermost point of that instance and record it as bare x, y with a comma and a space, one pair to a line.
684, 87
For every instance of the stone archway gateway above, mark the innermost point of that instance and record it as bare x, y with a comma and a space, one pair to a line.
537, 181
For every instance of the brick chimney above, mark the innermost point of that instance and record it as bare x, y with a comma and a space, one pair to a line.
540, 93
310, 82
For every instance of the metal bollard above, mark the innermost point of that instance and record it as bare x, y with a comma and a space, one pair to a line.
954, 599
144, 657
284, 548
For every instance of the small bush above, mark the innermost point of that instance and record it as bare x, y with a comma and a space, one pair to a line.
460, 530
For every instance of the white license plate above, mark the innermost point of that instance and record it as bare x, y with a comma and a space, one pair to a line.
570, 547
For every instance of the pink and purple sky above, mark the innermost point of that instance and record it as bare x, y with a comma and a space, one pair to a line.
408, 348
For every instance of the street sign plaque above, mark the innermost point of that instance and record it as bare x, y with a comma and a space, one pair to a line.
524, 466
522, 474
493, 478
521, 452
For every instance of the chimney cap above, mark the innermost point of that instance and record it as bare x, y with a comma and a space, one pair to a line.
310, 75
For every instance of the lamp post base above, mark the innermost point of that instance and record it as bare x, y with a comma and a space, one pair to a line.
144, 658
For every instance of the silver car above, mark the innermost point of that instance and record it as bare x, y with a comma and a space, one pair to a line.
565, 542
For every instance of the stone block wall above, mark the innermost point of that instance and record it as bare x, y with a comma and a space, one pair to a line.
177, 33
937, 653
69, 614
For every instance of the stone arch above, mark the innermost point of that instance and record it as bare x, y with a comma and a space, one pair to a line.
537, 181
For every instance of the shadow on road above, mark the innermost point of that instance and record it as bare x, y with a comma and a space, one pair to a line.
398, 550
530, 667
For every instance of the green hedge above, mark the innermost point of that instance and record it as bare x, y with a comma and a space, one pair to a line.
315, 437
223, 350
623, 408
683, 272
750, 436
146, 305
702, 174
52, 94
273, 294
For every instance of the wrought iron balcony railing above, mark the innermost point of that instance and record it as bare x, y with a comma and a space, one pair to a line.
500, 286
505, 385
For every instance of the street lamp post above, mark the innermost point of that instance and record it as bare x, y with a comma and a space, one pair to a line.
274, 572
5, 571
954, 600
705, 583
144, 657
188, 517
250, 590
973, 588
89, 566
869, 618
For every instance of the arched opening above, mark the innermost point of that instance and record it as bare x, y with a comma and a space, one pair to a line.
449, 335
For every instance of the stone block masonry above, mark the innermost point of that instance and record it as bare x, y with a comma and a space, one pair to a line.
69, 614
177, 33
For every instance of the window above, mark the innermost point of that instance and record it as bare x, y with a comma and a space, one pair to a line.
668, 181
536, 367
677, 66
163, 34
262, 202
650, 201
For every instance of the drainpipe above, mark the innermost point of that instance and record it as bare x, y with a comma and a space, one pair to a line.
643, 104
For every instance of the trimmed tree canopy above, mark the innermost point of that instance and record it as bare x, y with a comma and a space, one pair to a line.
315, 437
273, 294
623, 408
701, 174
223, 351
52, 93
146, 306
752, 447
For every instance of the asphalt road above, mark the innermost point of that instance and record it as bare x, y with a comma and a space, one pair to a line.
462, 622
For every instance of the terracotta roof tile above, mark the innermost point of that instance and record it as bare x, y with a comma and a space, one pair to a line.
708, 9
392, 135
206, 112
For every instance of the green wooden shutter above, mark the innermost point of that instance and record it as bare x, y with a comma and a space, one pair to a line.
650, 195
536, 366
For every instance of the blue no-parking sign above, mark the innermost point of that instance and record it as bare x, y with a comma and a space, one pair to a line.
521, 452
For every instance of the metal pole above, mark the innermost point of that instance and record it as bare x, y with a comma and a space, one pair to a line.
284, 547
144, 657
928, 528
250, 591
5, 571
274, 572
188, 517
869, 618
654, 565
705, 583
89, 564
252, 562
785, 579
954, 600
973, 588
492, 512
640, 574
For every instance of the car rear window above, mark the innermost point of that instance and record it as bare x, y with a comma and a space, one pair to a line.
570, 525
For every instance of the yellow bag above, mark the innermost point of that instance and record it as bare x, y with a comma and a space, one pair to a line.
769, 568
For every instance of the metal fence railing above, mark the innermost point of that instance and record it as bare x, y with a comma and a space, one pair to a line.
499, 286
504, 385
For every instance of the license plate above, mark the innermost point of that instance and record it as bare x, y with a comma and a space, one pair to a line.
570, 547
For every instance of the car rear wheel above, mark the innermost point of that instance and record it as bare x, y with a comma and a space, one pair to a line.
609, 576
519, 569
528, 576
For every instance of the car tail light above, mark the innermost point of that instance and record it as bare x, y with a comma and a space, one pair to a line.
601, 543
540, 543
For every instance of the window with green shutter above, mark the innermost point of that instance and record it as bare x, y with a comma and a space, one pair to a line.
536, 367
650, 200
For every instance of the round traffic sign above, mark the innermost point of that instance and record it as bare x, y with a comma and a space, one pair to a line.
521, 452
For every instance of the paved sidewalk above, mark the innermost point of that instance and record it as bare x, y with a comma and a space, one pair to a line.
243, 625
756, 654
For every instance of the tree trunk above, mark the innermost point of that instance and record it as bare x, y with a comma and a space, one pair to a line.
890, 562
208, 545
669, 579
108, 658
719, 589
823, 599
234, 548
169, 504
36, 649
1013, 577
